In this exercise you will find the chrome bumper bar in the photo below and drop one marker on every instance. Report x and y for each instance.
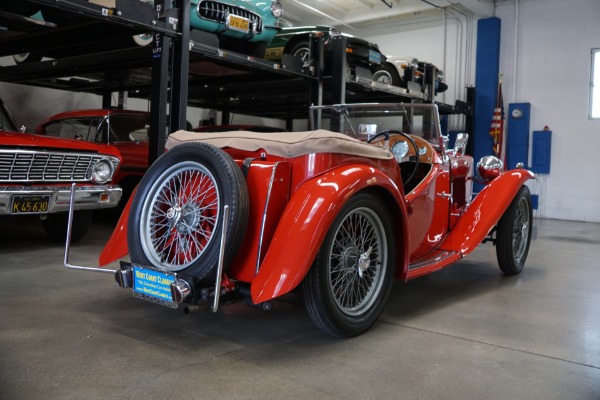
(180, 289)
(85, 197)
(71, 208)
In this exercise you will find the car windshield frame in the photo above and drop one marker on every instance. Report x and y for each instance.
(363, 120)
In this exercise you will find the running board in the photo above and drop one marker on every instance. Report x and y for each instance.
(434, 261)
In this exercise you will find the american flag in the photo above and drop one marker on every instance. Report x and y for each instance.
(497, 126)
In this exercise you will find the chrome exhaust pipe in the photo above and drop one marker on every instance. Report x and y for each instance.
(180, 290)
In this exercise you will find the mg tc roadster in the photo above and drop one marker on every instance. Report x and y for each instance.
(372, 194)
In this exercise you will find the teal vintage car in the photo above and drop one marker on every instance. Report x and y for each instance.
(241, 25)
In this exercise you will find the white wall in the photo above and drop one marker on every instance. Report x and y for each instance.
(444, 39)
(555, 38)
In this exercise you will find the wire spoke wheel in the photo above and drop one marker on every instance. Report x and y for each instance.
(356, 260)
(176, 219)
(350, 280)
(513, 233)
(180, 216)
(521, 230)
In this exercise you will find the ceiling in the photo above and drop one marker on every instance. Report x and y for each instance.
(353, 14)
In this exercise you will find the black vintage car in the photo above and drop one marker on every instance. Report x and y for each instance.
(296, 41)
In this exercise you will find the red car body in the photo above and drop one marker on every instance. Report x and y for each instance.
(127, 130)
(332, 215)
(37, 173)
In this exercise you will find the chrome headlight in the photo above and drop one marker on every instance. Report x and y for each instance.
(489, 167)
(277, 9)
(103, 172)
(440, 75)
(334, 32)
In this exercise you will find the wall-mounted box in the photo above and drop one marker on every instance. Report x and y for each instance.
(517, 135)
(541, 151)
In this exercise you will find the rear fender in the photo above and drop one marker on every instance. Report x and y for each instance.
(485, 211)
(307, 218)
(117, 247)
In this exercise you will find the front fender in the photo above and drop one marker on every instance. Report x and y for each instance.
(306, 220)
(117, 247)
(485, 211)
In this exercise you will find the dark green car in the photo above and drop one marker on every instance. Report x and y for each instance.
(296, 41)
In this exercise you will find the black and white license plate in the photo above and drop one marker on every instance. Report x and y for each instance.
(30, 204)
(152, 284)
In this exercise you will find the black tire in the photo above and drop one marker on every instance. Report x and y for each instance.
(176, 216)
(513, 233)
(143, 39)
(387, 74)
(55, 225)
(300, 50)
(24, 58)
(349, 307)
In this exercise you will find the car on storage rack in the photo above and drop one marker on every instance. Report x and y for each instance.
(398, 70)
(37, 174)
(241, 26)
(372, 194)
(296, 42)
(127, 130)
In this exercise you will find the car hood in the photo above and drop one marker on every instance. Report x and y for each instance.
(24, 140)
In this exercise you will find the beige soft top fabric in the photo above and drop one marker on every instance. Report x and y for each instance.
(283, 144)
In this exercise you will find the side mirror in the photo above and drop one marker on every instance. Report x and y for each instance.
(23, 129)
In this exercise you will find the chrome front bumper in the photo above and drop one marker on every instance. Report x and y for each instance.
(86, 197)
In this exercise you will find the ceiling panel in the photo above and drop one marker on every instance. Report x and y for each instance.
(347, 13)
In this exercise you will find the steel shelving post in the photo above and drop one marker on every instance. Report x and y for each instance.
(160, 81)
(180, 70)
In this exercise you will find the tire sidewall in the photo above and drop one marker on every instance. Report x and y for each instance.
(56, 225)
(299, 46)
(347, 325)
(210, 157)
(392, 72)
(504, 245)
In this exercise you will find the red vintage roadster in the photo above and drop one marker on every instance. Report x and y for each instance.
(372, 194)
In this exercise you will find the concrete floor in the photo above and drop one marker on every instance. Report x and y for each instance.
(465, 332)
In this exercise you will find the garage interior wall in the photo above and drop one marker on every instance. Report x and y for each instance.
(553, 61)
(551, 71)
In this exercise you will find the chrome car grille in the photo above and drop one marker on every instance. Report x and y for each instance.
(43, 166)
(218, 12)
